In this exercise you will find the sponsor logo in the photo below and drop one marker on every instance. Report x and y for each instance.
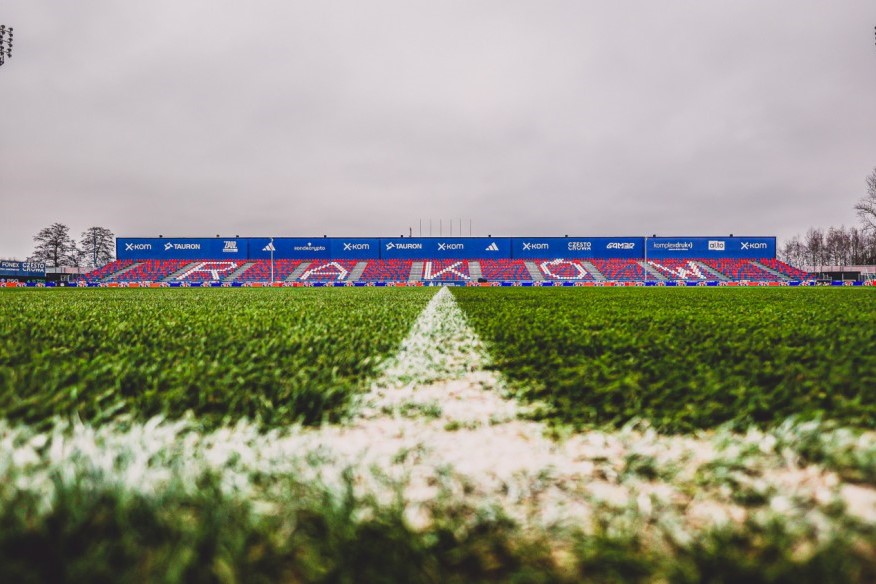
(717, 245)
(580, 246)
(492, 247)
(674, 245)
(754, 245)
(620, 245)
(269, 247)
(392, 245)
(308, 247)
(527, 246)
(137, 246)
(33, 266)
(450, 246)
(356, 246)
(230, 247)
(181, 246)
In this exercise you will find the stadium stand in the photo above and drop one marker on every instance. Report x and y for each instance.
(322, 271)
(150, 271)
(109, 269)
(260, 271)
(445, 270)
(387, 271)
(679, 269)
(560, 269)
(740, 270)
(208, 271)
(505, 270)
(620, 270)
(786, 269)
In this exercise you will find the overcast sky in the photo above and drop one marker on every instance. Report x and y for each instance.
(279, 117)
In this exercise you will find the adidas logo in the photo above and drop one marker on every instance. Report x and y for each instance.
(493, 247)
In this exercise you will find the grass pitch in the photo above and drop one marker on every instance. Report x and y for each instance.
(684, 359)
(212, 436)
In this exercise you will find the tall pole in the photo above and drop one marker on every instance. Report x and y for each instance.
(272, 261)
(646, 259)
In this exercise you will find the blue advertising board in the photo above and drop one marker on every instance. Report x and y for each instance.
(290, 248)
(181, 248)
(354, 248)
(22, 269)
(577, 247)
(412, 248)
(711, 247)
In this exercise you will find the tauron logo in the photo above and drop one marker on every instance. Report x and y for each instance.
(392, 245)
(357, 246)
(492, 247)
(527, 246)
(137, 246)
(718, 245)
(580, 246)
(620, 245)
(181, 246)
(753, 245)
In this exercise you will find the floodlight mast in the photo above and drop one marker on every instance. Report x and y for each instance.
(5, 43)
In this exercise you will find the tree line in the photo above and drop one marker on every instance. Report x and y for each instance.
(56, 247)
(838, 246)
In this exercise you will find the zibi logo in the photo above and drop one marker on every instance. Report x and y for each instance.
(138, 246)
(717, 245)
(753, 245)
(534, 246)
(230, 247)
(357, 246)
(492, 247)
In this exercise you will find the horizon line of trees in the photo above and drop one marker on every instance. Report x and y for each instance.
(56, 247)
(838, 246)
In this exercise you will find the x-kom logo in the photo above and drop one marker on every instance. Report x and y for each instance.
(137, 246)
(450, 246)
(753, 245)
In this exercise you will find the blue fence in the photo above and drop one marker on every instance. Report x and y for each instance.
(413, 248)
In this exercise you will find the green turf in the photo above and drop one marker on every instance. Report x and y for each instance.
(684, 359)
(277, 355)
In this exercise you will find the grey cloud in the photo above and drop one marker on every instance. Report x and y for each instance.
(363, 117)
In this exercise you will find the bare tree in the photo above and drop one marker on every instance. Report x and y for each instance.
(96, 247)
(54, 246)
(866, 207)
